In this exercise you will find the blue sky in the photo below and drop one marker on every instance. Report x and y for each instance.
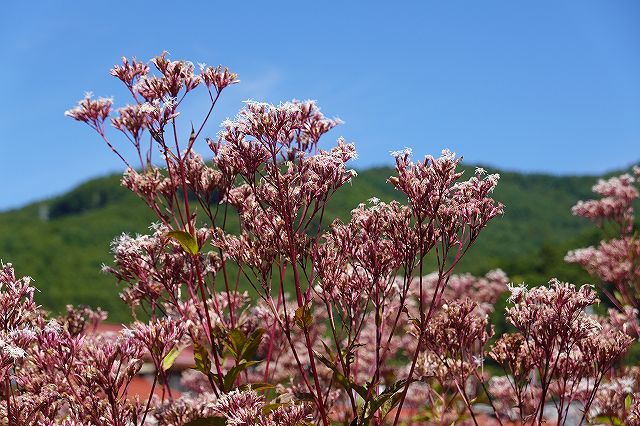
(550, 86)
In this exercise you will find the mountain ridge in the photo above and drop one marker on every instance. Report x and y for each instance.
(608, 172)
(63, 241)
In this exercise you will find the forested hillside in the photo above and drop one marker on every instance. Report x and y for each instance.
(62, 242)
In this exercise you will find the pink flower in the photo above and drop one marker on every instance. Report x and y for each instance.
(92, 112)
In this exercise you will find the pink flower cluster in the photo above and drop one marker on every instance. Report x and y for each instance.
(615, 261)
(568, 351)
(616, 202)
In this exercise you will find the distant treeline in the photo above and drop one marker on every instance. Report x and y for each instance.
(63, 242)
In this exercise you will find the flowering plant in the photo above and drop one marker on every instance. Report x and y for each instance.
(344, 323)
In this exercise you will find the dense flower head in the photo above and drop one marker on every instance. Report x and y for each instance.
(461, 209)
(158, 114)
(63, 373)
(160, 336)
(601, 350)
(187, 408)
(132, 120)
(308, 181)
(515, 352)
(240, 408)
(279, 199)
(176, 76)
(201, 178)
(17, 306)
(287, 415)
(81, 319)
(550, 313)
(425, 183)
(374, 239)
(91, 111)
(156, 95)
(614, 261)
(559, 340)
(130, 71)
(240, 157)
(109, 361)
(151, 88)
(34, 408)
(295, 125)
(150, 184)
(217, 77)
(568, 350)
(10, 355)
(154, 266)
(616, 202)
(457, 336)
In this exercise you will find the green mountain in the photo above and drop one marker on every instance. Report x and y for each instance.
(63, 241)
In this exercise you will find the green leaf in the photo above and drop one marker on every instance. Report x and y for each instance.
(303, 316)
(170, 358)
(187, 241)
(232, 374)
(236, 340)
(323, 359)
(618, 297)
(207, 421)
(327, 350)
(361, 390)
(628, 400)
(258, 386)
(388, 399)
(608, 420)
(250, 347)
(242, 347)
(389, 404)
(201, 358)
